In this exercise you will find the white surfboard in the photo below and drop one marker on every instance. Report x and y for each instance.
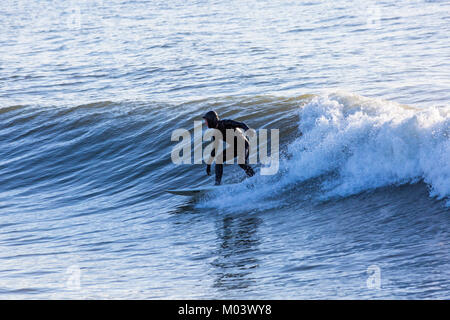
(196, 191)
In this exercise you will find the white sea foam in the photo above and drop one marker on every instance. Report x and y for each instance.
(371, 143)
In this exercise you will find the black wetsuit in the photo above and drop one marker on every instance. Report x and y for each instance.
(222, 126)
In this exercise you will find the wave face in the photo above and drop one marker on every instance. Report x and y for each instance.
(336, 144)
(103, 149)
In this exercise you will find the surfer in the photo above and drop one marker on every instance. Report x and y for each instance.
(213, 122)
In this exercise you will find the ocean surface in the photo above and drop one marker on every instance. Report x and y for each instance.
(91, 91)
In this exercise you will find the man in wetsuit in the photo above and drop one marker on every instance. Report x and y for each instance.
(213, 122)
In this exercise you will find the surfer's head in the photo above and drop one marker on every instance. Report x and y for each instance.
(211, 118)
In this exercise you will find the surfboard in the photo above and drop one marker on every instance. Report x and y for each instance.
(196, 191)
(191, 191)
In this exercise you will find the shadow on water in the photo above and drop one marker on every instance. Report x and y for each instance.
(185, 207)
(237, 247)
(236, 238)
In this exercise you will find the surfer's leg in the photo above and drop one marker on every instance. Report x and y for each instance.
(219, 168)
(248, 170)
(219, 172)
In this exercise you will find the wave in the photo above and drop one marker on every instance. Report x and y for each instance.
(114, 154)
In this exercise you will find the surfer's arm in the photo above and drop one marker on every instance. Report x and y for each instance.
(231, 124)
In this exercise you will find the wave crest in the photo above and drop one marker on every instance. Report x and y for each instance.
(371, 143)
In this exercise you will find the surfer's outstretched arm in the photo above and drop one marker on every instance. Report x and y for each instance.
(231, 124)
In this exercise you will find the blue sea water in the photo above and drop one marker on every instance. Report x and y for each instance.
(90, 92)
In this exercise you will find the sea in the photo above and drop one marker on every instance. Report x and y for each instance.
(92, 91)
